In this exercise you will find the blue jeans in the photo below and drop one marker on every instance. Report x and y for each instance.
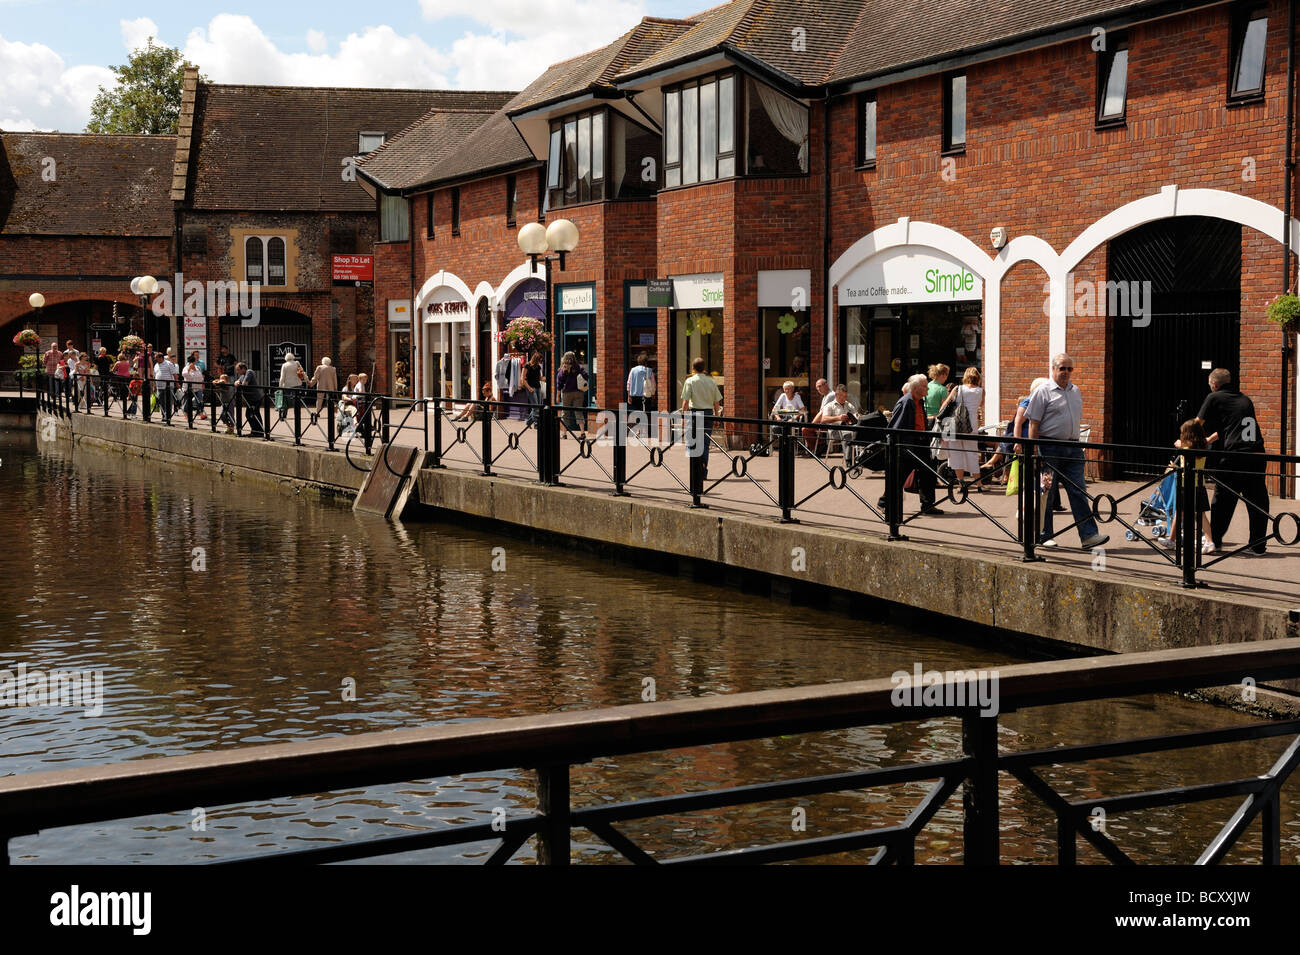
(1069, 463)
(534, 399)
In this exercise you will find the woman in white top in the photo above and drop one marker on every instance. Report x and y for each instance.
(964, 456)
(788, 403)
(193, 376)
(291, 375)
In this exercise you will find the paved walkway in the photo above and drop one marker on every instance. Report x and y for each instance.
(985, 522)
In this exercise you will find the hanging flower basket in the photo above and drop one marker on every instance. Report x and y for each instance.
(27, 338)
(1284, 312)
(528, 335)
(130, 344)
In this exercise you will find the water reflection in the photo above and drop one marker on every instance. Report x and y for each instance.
(225, 615)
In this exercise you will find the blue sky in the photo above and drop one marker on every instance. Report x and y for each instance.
(54, 54)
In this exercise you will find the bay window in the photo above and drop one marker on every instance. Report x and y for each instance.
(600, 155)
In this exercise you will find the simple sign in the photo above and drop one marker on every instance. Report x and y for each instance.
(659, 293)
(354, 269)
(910, 273)
(580, 298)
(698, 291)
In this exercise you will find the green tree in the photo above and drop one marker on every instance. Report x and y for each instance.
(147, 98)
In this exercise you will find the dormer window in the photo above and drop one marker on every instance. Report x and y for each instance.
(369, 142)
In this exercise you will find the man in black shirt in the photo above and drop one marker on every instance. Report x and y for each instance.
(104, 364)
(226, 361)
(1230, 425)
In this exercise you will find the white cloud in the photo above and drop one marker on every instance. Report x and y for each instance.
(233, 49)
(136, 33)
(587, 23)
(317, 41)
(39, 92)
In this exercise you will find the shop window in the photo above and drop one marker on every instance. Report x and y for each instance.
(265, 260)
(512, 199)
(867, 129)
(455, 210)
(599, 155)
(1249, 41)
(700, 130)
(254, 265)
(1112, 82)
(954, 112)
(369, 142)
(428, 216)
(697, 333)
(776, 132)
(787, 351)
(394, 219)
(275, 261)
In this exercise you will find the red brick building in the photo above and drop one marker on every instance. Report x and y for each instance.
(1129, 157)
(80, 216)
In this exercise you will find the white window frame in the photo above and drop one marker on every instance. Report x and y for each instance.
(265, 241)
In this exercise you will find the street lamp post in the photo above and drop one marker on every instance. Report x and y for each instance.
(535, 241)
(143, 288)
(37, 301)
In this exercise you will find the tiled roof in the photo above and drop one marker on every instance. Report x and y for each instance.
(598, 68)
(101, 185)
(283, 148)
(494, 145)
(893, 34)
(409, 158)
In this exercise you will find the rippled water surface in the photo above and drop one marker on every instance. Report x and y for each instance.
(225, 615)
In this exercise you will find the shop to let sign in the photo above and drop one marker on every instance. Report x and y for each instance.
(354, 269)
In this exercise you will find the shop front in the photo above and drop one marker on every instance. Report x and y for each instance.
(695, 322)
(399, 346)
(447, 344)
(575, 331)
(640, 336)
(902, 311)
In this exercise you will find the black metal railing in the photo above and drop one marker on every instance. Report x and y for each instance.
(554, 744)
(665, 454)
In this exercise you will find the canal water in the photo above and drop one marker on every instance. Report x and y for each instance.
(225, 615)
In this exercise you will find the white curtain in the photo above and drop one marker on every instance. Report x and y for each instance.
(618, 135)
(789, 118)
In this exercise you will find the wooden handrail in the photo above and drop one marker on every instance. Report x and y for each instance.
(69, 797)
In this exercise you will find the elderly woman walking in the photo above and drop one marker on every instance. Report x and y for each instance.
(909, 415)
(291, 376)
(964, 456)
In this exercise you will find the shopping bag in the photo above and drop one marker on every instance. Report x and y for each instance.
(1013, 481)
(279, 400)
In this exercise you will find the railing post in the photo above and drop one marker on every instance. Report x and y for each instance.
(108, 390)
(266, 415)
(785, 471)
(210, 395)
(894, 486)
(1029, 501)
(297, 415)
(189, 405)
(1067, 849)
(620, 450)
(385, 413)
(979, 742)
(328, 408)
(486, 442)
(437, 432)
(553, 804)
(696, 436)
(1270, 824)
(1188, 526)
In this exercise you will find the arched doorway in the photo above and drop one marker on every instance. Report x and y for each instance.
(263, 345)
(1173, 298)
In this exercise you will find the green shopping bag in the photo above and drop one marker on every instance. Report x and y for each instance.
(1013, 481)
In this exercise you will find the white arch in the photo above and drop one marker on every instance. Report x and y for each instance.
(517, 277)
(954, 244)
(440, 279)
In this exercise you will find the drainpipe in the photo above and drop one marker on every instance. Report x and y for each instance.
(411, 376)
(826, 244)
(1286, 230)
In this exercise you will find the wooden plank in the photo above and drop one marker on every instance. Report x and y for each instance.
(381, 487)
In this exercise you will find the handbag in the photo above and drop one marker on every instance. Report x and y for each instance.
(278, 400)
(582, 382)
(909, 485)
(1013, 479)
(648, 389)
(961, 415)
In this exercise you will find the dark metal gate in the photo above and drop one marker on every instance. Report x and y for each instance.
(1162, 357)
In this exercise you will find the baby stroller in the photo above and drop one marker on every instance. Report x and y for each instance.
(867, 452)
(1158, 510)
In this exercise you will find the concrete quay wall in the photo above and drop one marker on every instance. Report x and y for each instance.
(266, 462)
(1102, 612)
